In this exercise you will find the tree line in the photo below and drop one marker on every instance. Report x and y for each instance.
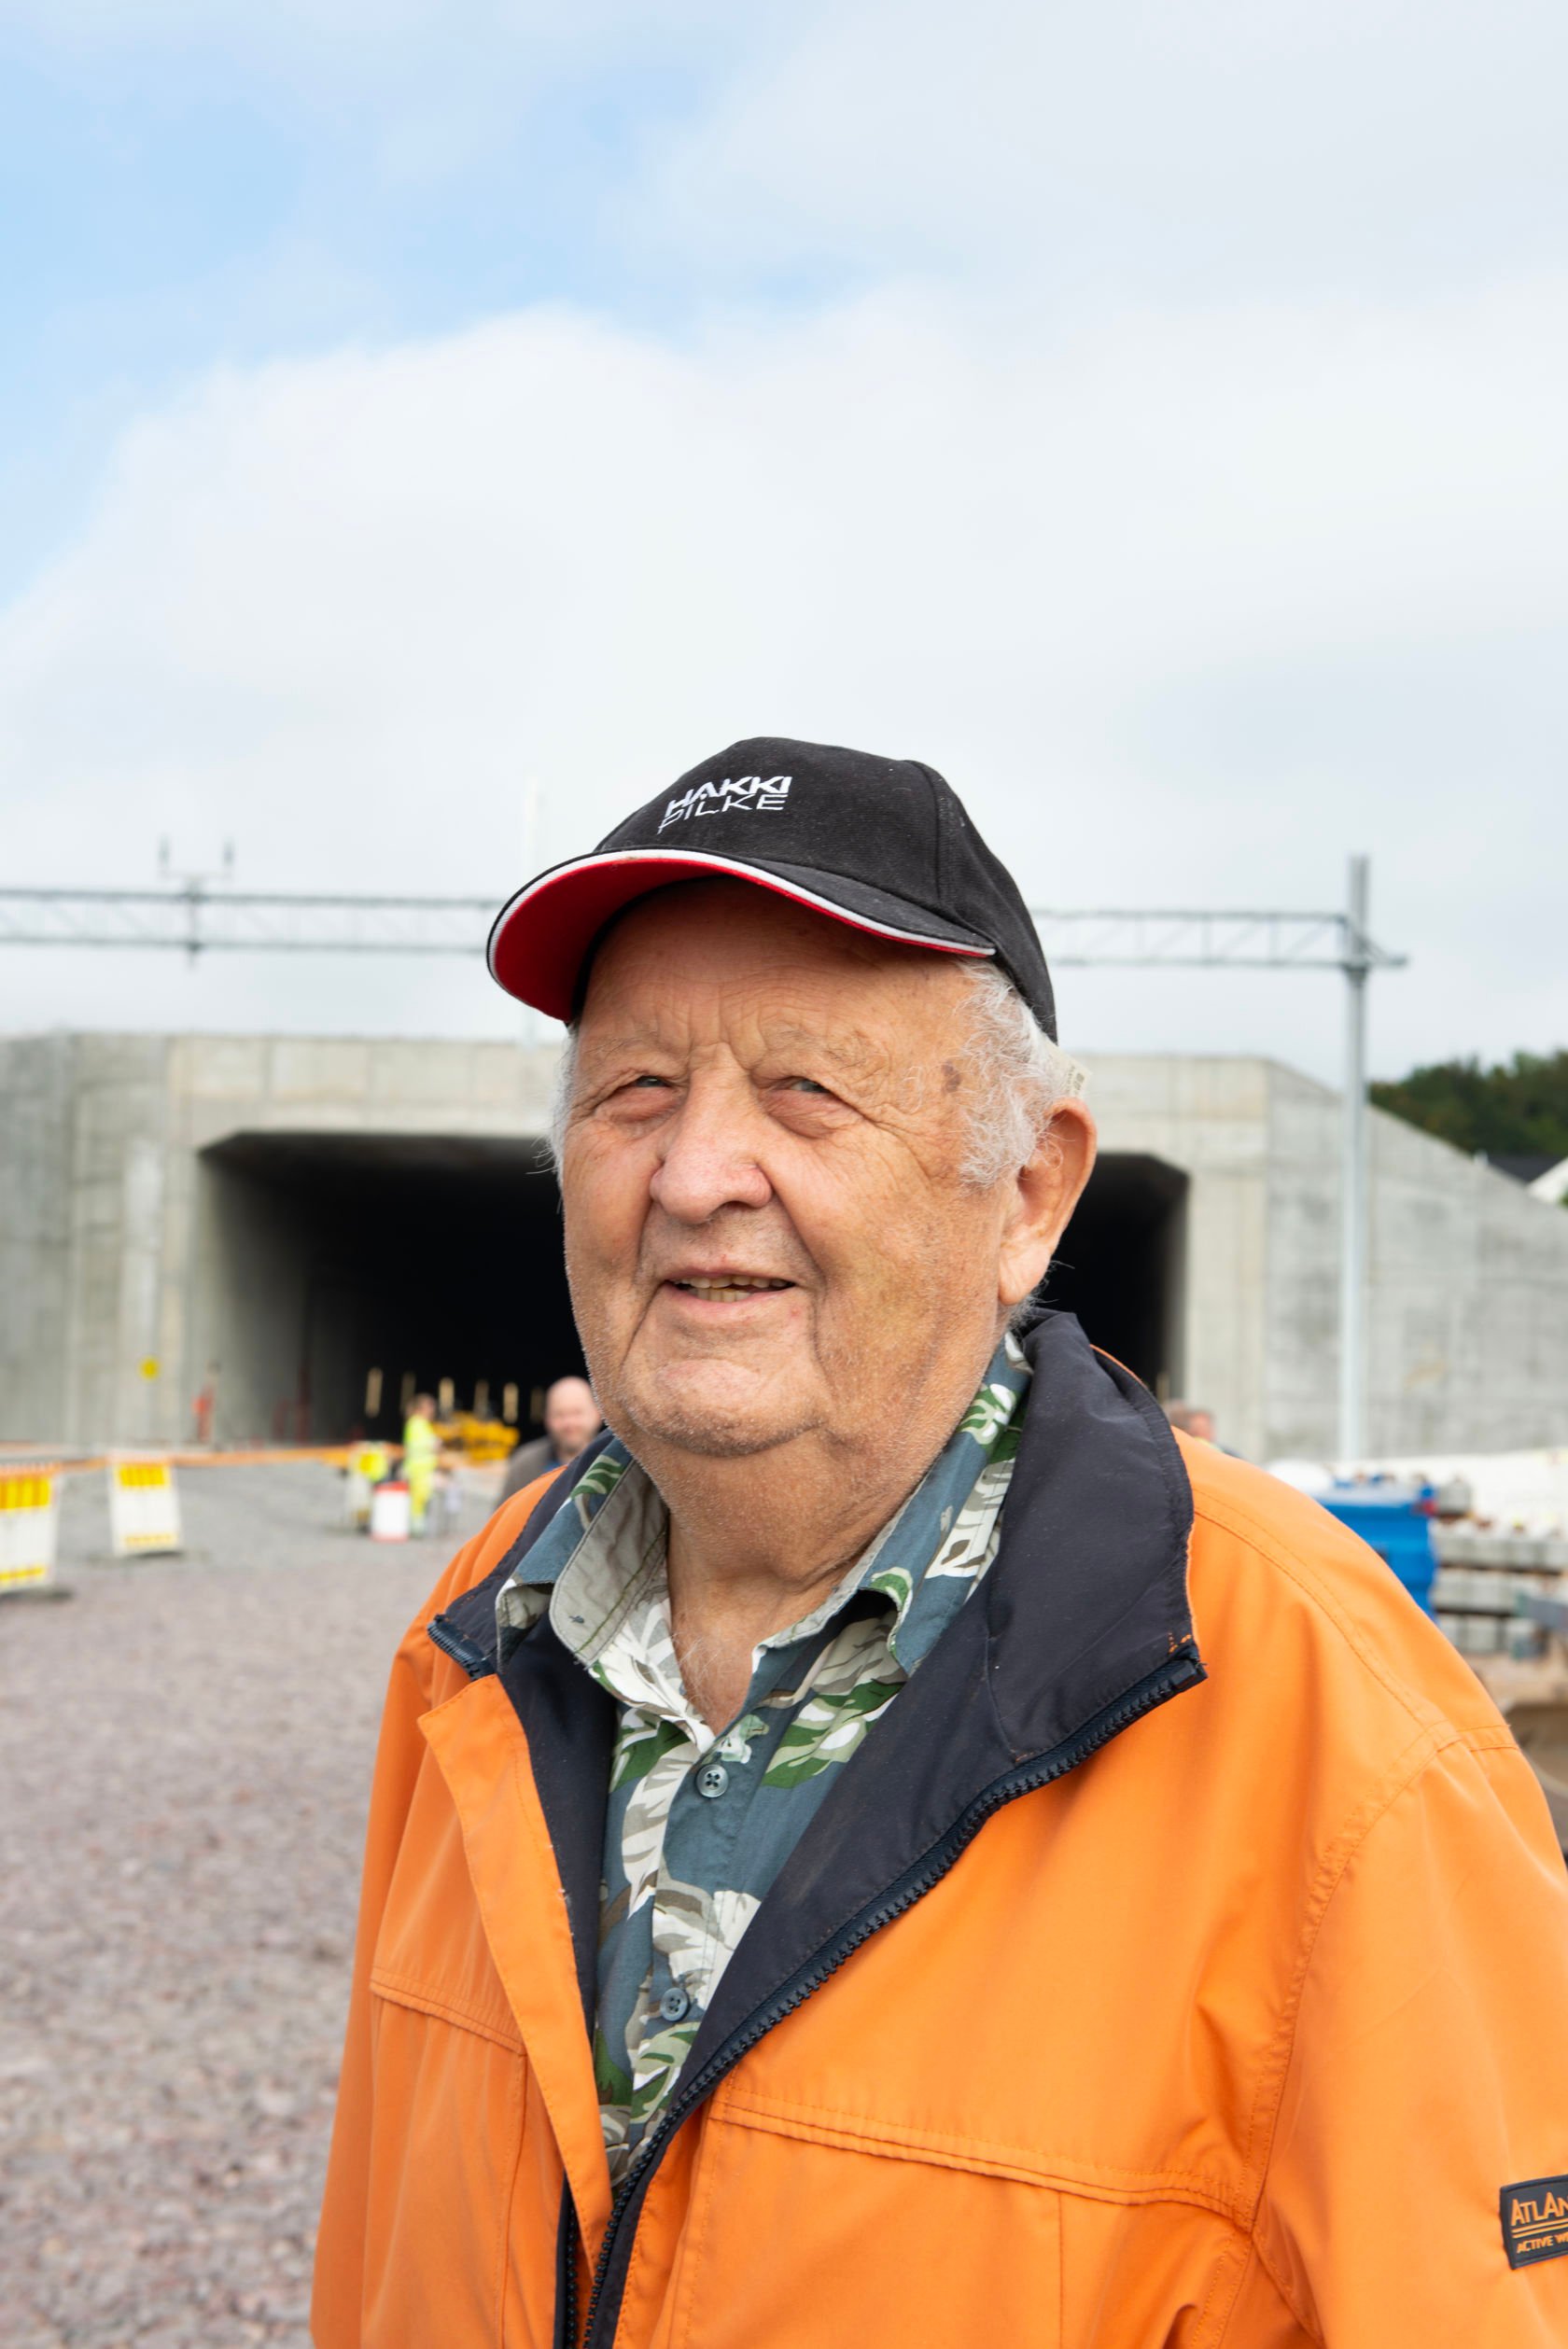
(1513, 1110)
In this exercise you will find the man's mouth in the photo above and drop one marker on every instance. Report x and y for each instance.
(729, 1287)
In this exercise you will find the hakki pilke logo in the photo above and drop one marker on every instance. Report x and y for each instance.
(738, 794)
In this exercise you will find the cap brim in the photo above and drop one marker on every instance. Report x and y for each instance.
(542, 936)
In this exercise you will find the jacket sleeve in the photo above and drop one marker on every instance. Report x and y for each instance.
(1427, 2070)
(337, 2298)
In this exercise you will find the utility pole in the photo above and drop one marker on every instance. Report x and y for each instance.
(193, 890)
(1353, 1187)
(1274, 940)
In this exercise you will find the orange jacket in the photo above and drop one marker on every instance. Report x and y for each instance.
(1100, 2013)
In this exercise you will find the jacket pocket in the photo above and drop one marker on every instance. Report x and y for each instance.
(931, 2237)
(804, 2230)
(484, 2016)
(446, 2125)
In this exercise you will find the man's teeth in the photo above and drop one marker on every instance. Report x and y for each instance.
(734, 1285)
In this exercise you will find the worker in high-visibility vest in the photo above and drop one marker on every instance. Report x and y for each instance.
(421, 1455)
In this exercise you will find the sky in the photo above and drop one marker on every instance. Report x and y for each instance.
(425, 432)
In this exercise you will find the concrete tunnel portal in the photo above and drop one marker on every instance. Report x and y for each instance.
(327, 1256)
(425, 1257)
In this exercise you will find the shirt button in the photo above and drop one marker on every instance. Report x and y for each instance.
(712, 1778)
(673, 2005)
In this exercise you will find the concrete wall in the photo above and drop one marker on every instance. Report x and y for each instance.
(1209, 1117)
(89, 1220)
(121, 1245)
(250, 1275)
(1299, 1300)
(230, 1084)
(35, 1119)
(120, 1241)
(1467, 1278)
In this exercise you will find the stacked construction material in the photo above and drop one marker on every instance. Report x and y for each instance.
(1486, 1579)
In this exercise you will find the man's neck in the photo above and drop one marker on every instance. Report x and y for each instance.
(757, 1543)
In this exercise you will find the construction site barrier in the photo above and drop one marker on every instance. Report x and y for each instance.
(391, 1515)
(144, 1506)
(29, 1526)
(365, 1465)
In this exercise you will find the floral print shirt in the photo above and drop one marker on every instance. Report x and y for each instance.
(701, 1821)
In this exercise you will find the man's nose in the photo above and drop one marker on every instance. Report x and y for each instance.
(710, 1159)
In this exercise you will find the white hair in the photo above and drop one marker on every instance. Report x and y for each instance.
(1019, 1076)
(560, 1098)
(1021, 1072)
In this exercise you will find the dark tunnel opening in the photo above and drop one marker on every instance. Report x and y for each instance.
(1121, 1266)
(328, 1257)
(422, 1257)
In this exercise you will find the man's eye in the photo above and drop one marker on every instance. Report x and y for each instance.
(640, 1081)
(804, 1085)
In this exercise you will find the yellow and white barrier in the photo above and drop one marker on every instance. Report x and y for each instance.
(390, 1512)
(365, 1467)
(29, 1526)
(144, 1506)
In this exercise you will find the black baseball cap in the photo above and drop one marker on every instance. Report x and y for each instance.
(885, 845)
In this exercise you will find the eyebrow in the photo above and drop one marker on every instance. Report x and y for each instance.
(848, 1048)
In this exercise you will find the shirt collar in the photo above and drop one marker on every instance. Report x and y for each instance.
(603, 1553)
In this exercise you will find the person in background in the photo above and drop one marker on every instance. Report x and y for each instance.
(446, 1498)
(572, 1421)
(1196, 1420)
(421, 1457)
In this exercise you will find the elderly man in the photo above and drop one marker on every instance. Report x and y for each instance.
(815, 1895)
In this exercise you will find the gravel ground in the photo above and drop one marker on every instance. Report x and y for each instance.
(185, 1757)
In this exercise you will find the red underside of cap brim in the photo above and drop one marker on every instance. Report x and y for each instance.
(539, 939)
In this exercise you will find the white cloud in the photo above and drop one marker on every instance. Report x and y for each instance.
(1187, 605)
(1071, 151)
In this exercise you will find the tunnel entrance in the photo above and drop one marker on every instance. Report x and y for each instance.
(1121, 1267)
(325, 1257)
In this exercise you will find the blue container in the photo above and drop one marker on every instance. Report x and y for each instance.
(1393, 1519)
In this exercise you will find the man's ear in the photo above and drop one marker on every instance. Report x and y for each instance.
(1045, 1191)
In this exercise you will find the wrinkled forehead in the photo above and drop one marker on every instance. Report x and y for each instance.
(718, 957)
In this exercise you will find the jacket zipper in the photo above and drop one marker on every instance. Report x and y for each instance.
(1168, 1681)
(474, 1659)
(566, 2274)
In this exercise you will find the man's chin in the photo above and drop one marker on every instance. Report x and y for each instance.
(719, 1417)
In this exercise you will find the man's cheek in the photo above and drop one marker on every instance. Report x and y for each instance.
(602, 1229)
(863, 1225)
